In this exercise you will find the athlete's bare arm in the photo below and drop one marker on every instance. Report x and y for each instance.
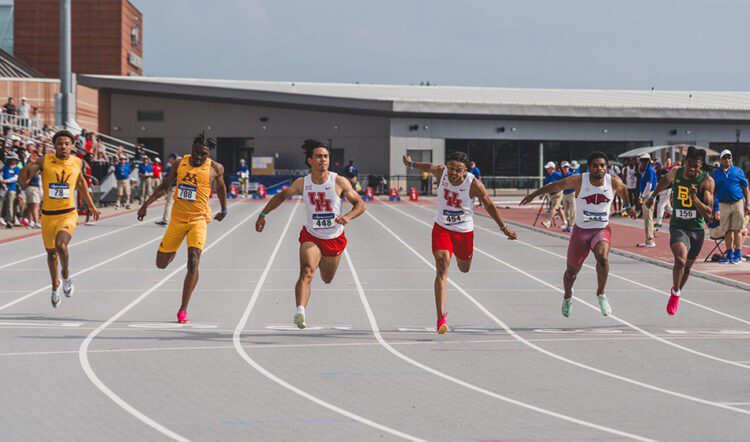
(353, 197)
(664, 182)
(706, 209)
(217, 174)
(276, 200)
(619, 188)
(435, 169)
(83, 189)
(34, 167)
(478, 190)
(569, 182)
(160, 190)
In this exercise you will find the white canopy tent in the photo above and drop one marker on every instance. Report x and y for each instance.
(678, 148)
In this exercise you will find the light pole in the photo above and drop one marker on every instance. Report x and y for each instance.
(67, 91)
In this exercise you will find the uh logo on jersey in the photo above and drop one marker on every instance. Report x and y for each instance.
(451, 198)
(318, 199)
(596, 198)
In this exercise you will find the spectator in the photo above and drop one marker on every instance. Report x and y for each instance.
(474, 170)
(569, 199)
(9, 108)
(140, 152)
(80, 143)
(554, 198)
(662, 206)
(631, 182)
(10, 187)
(91, 181)
(24, 113)
(36, 119)
(243, 176)
(145, 173)
(351, 173)
(34, 200)
(647, 185)
(616, 171)
(172, 161)
(122, 175)
(156, 180)
(731, 190)
(425, 181)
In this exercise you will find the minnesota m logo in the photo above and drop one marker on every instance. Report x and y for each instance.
(191, 178)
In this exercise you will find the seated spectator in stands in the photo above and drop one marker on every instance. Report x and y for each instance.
(9, 187)
(145, 173)
(122, 175)
(24, 113)
(36, 119)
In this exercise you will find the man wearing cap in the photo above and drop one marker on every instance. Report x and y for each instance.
(732, 192)
(351, 172)
(24, 112)
(662, 206)
(243, 176)
(9, 186)
(555, 198)
(156, 179)
(122, 174)
(168, 200)
(145, 173)
(569, 198)
(630, 177)
(647, 186)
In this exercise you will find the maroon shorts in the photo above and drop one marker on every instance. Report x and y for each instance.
(584, 240)
(330, 248)
(460, 243)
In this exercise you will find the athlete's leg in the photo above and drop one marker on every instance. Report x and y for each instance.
(569, 278)
(680, 252)
(328, 267)
(61, 247)
(163, 259)
(309, 259)
(52, 265)
(191, 279)
(463, 264)
(442, 264)
(601, 253)
(686, 274)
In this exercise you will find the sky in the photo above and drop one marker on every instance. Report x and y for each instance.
(590, 44)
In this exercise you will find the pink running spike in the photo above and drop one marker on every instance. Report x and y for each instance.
(674, 300)
(442, 325)
(182, 317)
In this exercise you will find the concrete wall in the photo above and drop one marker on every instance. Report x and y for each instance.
(364, 138)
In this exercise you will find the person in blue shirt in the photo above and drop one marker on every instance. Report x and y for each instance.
(568, 199)
(243, 176)
(146, 174)
(732, 193)
(474, 170)
(555, 199)
(10, 188)
(122, 175)
(351, 172)
(647, 186)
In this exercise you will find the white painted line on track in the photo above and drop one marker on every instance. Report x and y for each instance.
(387, 346)
(83, 349)
(244, 355)
(543, 350)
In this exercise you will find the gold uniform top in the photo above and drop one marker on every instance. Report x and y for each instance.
(59, 179)
(193, 187)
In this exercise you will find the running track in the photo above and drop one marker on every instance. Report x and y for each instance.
(111, 363)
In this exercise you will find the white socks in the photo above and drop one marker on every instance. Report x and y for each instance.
(300, 309)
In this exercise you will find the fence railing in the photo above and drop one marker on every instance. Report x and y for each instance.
(495, 185)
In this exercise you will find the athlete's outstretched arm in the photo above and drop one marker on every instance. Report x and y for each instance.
(217, 170)
(434, 169)
(29, 171)
(571, 181)
(707, 187)
(664, 182)
(160, 190)
(353, 197)
(276, 200)
(83, 189)
(478, 190)
(619, 188)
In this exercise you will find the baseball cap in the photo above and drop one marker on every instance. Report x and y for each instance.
(725, 152)
(564, 164)
(574, 164)
(644, 156)
(23, 98)
(173, 155)
(157, 160)
(549, 165)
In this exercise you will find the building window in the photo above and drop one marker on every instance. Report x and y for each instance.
(150, 115)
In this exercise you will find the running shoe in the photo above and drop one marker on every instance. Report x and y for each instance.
(567, 230)
(55, 298)
(160, 222)
(442, 325)
(737, 257)
(604, 305)
(127, 207)
(90, 223)
(566, 306)
(725, 258)
(674, 301)
(68, 288)
(299, 317)
(546, 224)
(648, 245)
(182, 317)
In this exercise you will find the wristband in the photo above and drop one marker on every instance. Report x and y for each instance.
(224, 211)
(504, 228)
(411, 165)
(651, 196)
(263, 214)
(627, 207)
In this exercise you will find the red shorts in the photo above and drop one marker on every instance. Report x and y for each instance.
(460, 243)
(584, 240)
(330, 248)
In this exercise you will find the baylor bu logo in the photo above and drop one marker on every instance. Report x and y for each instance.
(318, 199)
(451, 198)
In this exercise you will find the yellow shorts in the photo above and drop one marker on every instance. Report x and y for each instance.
(177, 231)
(52, 224)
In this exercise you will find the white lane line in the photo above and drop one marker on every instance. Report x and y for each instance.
(83, 349)
(543, 350)
(78, 243)
(622, 278)
(387, 346)
(596, 308)
(241, 350)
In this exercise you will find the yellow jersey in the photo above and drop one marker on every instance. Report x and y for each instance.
(193, 187)
(59, 179)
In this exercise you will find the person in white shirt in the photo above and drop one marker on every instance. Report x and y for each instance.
(24, 112)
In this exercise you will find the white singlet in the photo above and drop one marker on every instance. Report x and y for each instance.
(455, 208)
(323, 207)
(593, 203)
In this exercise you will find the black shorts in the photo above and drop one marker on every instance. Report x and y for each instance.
(693, 240)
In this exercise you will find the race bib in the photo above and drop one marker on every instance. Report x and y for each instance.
(324, 220)
(685, 214)
(186, 192)
(601, 217)
(59, 191)
(451, 217)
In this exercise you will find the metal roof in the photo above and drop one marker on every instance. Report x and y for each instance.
(12, 67)
(452, 100)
